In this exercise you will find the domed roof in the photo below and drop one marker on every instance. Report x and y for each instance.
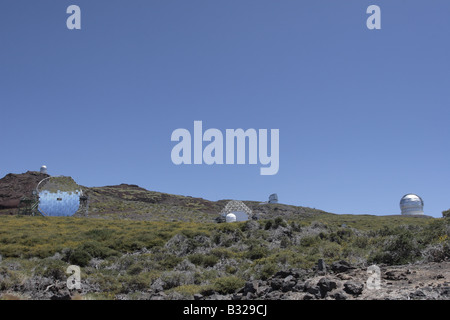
(411, 204)
(230, 217)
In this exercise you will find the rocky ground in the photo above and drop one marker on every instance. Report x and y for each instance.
(340, 281)
(430, 281)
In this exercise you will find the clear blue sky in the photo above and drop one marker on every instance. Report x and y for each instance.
(363, 115)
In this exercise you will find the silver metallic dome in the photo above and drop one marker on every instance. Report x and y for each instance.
(411, 204)
(230, 218)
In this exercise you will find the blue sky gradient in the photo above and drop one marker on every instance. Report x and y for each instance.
(363, 115)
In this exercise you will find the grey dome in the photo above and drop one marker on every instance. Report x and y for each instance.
(411, 204)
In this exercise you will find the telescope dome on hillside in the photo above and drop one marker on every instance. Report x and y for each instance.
(411, 204)
(230, 218)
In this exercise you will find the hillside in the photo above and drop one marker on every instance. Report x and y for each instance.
(15, 186)
(140, 244)
(136, 203)
(266, 259)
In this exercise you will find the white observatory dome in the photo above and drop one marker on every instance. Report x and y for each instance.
(230, 218)
(43, 169)
(411, 204)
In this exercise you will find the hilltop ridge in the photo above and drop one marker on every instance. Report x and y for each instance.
(133, 202)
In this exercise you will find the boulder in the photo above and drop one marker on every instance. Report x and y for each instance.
(158, 285)
(326, 285)
(288, 283)
(198, 296)
(250, 286)
(321, 266)
(339, 295)
(341, 266)
(353, 288)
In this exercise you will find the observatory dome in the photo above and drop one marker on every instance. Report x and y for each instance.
(411, 204)
(230, 218)
(43, 169)
(273, 198)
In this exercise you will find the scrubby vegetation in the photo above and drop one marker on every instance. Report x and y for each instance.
(446, 213)
(124, 257)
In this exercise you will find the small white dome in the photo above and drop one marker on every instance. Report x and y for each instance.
(411, 204)
(43, 169)
(230, 218)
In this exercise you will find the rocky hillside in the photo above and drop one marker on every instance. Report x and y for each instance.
(15, 186)
(266, 259)
(133, 202)
(140, 244)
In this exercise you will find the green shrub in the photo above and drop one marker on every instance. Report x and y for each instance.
(285, 242)
(169, 261)
(295, 226)
(256, 253)
(279, 222)
(309, 241)
(331, 250)
(199, 259)
(135, 269)
(222, 253)
(139, 282)
(77, 257)
(400, 249)
(268, 270)
(189, 290)
(100, 234)
(338, 236)
(55, 269)
(437, 252)
(361, 242)
(82, 254)
(230, 269)
(268, 225)
(210, 260)
(227, 285)
(96, 250)
(109, 283)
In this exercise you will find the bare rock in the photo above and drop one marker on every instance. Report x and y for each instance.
(250, 286)
(326, 285)
(353, 288)
(158, 285)
(198, 296)
(339, 295)
(341, 266)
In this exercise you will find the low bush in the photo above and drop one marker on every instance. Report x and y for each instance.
(228, 284)
(208, 260)
(49, 268)
(78, 257)
(256, 253)
(222, 253)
